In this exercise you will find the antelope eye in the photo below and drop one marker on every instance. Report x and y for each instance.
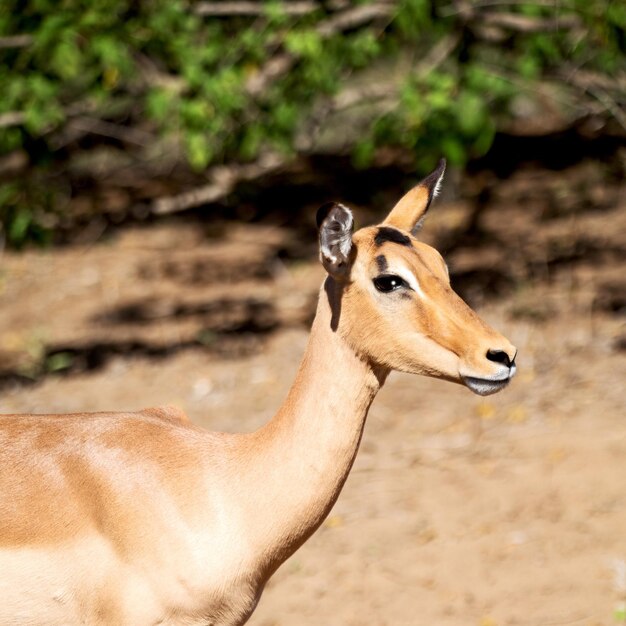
(389, 282)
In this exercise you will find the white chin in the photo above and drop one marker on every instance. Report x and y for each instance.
(483, 386)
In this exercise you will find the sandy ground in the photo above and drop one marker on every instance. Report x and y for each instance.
(460, 511)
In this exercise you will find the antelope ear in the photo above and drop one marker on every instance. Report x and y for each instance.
(411, 209)
(335, 224)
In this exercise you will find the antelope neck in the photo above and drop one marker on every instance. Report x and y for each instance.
(306, 451)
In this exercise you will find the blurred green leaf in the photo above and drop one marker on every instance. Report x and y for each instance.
(471, 113)
(446, 86)
(66, 58)
(306, 43)
(363, 153)
(59, 361)
(159, 104)
(198, 150)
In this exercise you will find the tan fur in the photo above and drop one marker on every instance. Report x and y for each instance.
(142, 518)
(409, 209)
(431, 336)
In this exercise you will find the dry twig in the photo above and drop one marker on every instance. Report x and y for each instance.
(12, 118)
(126, 134)
(15, 41)
(224, 178)
(243, 8)
(526, 24)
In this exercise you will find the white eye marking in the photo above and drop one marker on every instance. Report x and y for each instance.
(409, 278)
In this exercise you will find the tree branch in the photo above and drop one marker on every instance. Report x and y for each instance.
(126, 134)
(13, 162)
(611, 106)
(526, 24)
(465, 8)
(243, 8)
(12, 118)
(346, 20)
(383, 94)
(224, 179)
(584, 79)
(17, 118)
(15, 41)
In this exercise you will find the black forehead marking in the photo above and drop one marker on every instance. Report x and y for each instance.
(391, 234)
(381, 261)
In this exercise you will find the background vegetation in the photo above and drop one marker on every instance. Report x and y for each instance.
(159, 106)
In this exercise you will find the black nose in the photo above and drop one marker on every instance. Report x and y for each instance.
(499, 356)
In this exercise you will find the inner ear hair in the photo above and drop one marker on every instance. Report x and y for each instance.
(323, 211)
(432, 184)
(335, 223)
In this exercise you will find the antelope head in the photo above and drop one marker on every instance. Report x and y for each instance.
(391, 300)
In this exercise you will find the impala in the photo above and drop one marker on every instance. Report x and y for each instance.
(143, 518)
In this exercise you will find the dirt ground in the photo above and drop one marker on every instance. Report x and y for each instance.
(460, 510)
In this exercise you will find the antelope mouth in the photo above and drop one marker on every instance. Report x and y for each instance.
(486, 386)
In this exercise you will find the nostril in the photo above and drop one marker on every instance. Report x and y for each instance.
(499, 356)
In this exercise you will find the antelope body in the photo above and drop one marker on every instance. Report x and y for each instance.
(142, 518)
